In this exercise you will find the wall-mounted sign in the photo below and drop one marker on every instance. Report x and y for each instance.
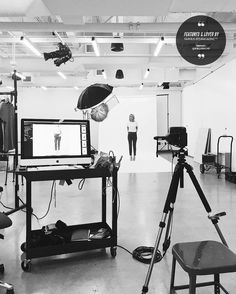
(200, 40)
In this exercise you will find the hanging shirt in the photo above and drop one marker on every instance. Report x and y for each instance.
(7, 115)
(132, 126)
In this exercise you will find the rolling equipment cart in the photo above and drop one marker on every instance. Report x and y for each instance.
(32, 251)
(215, 160)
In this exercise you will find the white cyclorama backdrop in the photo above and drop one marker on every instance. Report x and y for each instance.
(211, 103)
(61, 103)
(44, 144)
(113, 130)
(51, 104)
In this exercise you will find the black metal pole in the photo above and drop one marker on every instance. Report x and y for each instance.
(16, 141)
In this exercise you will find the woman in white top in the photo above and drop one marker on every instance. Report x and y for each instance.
(132, 128)
(57, 138)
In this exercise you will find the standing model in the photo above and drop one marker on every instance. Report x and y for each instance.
(57, 138)
(132, 128)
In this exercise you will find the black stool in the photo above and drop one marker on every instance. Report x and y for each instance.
(199, 259)
(5, 222)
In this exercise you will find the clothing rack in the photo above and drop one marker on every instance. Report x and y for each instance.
(13, 95)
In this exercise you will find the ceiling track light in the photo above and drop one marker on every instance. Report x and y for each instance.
(147, 72)
(30, 46)
(76, 88)
(19, 75)
(104, 74)
(141, 86)
(95, 46)
(44, 88)
(62, 75)
(59, 37)
(159, 46)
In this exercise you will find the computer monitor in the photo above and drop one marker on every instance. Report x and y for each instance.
(55, 142)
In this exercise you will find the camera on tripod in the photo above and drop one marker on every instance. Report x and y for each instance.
(177, 136)
(62, 55)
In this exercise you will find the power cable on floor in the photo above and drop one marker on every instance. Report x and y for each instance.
(144, 254)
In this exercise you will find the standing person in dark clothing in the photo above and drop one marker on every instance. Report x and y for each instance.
(57, 138)
(7, 125)
(132, 128)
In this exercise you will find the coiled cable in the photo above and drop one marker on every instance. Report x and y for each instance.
(144, 254)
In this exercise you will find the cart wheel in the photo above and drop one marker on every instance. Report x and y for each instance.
(23, 246)
(113, 251)
(202, 168)
(2, 268)
(26, 265)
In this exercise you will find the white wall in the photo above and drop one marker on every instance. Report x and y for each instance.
(52, 103)
(60, 103)
(113, 130)
(211, 103)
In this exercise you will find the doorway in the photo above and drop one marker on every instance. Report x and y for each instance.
(163, 119)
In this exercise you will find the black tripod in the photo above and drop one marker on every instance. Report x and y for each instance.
(178, 178)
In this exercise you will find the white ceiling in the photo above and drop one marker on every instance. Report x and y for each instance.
(140, 24)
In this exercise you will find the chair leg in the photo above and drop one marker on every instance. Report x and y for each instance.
(172, 279)
(192, 284)
(217, 282)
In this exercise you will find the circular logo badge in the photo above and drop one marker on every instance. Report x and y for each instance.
(200, 40)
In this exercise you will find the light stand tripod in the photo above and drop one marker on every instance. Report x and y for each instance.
(178, 178)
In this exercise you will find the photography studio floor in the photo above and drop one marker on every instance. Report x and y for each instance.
(142, 196)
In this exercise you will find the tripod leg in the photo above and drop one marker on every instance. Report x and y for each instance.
(166, 243)
(157, 243)
(204, 201)
(197, 187)
(167, 211)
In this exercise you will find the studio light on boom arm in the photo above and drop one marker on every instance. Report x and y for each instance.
(62, 55)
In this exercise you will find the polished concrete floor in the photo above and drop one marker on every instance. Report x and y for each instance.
(142, 198)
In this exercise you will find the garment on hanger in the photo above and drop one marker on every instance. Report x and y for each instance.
(1, 134)
(7, 116)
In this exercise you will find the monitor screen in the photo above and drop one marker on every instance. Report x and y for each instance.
(55, 142)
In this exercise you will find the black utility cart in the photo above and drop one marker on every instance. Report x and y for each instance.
(33, 251)
(211, 160)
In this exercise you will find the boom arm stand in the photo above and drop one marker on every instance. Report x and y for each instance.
(168, 210)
